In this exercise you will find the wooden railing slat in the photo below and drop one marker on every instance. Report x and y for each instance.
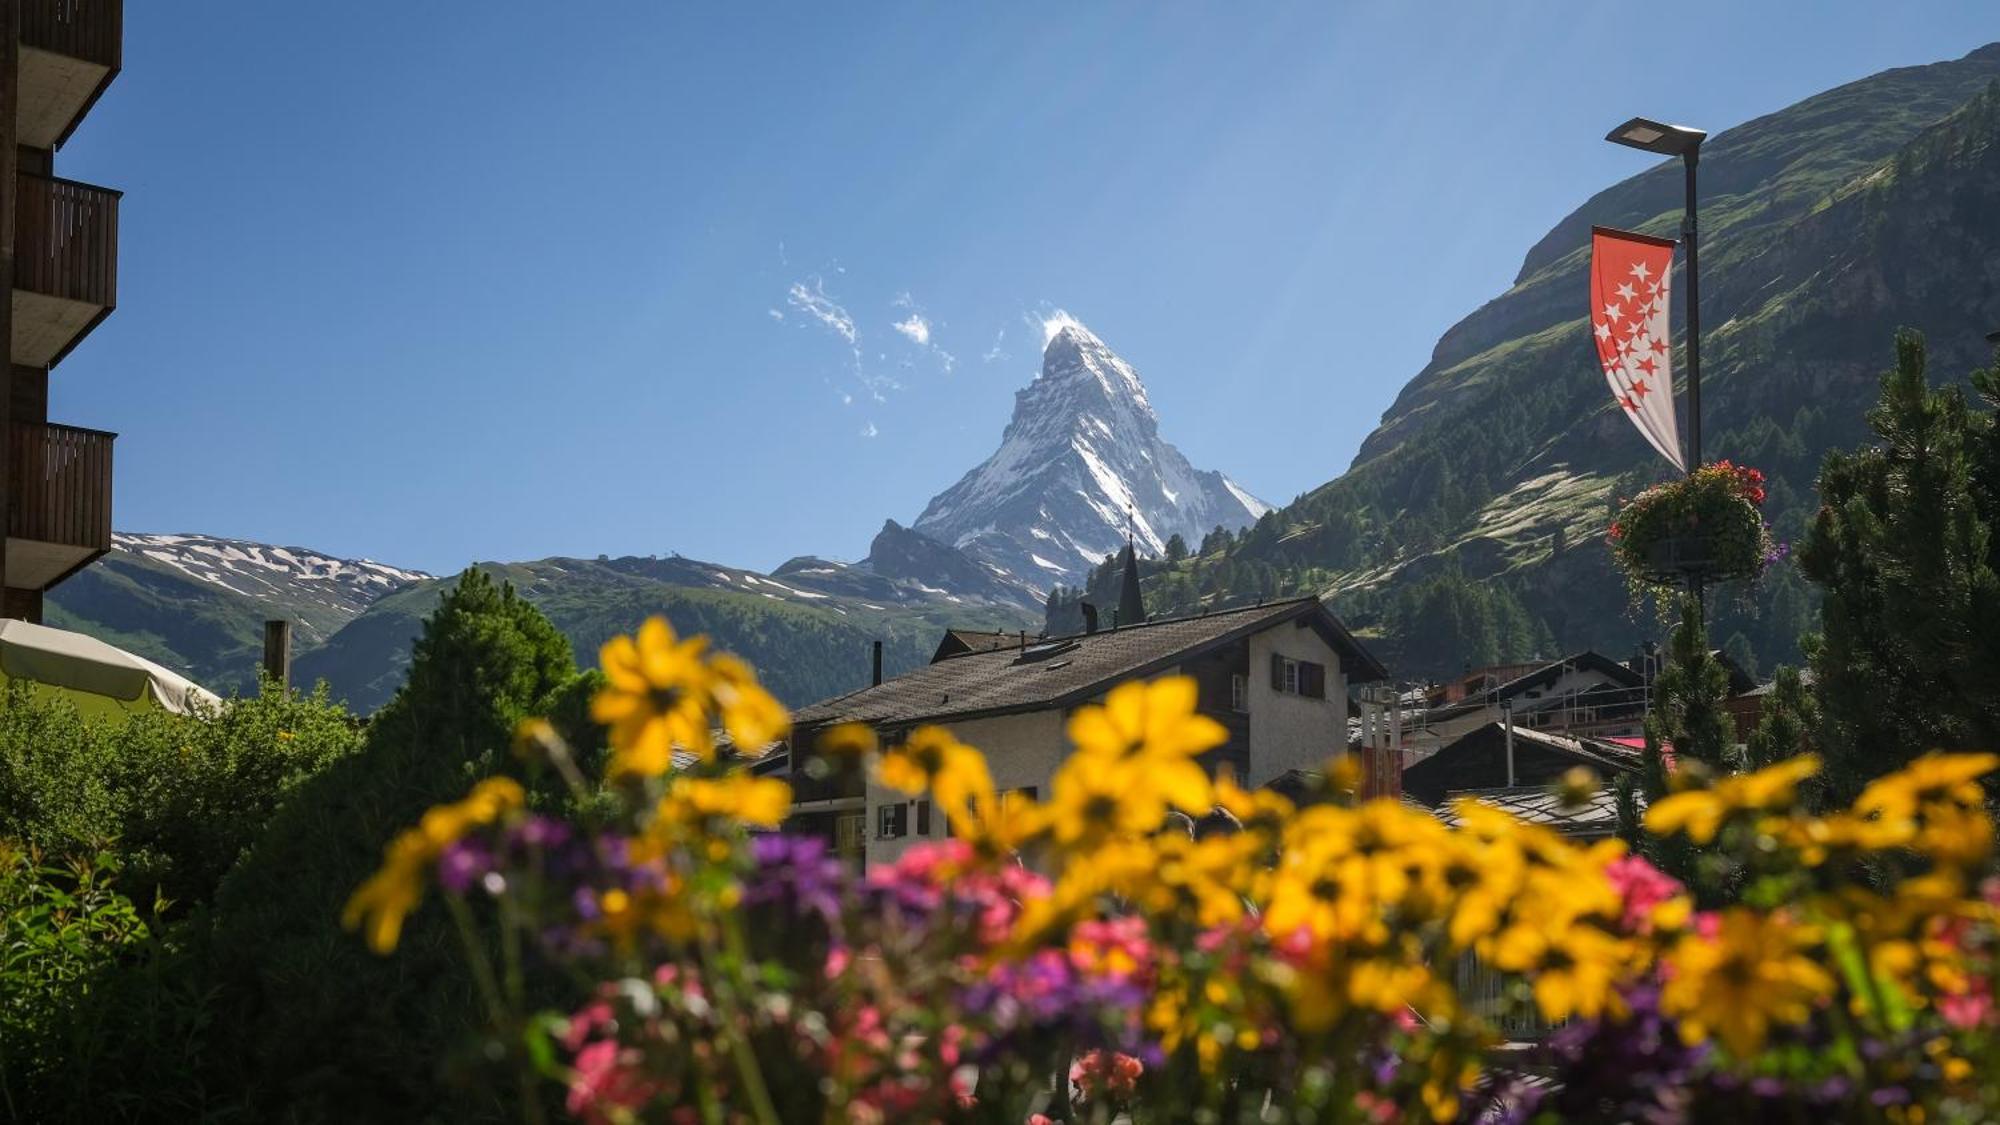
(92, 30)
(66, 240)
(62, 485)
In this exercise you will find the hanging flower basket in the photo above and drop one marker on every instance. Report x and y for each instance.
(1704, 527)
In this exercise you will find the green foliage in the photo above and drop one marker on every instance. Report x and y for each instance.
(299, 1021)
(1904, 550)
(181, 795)
(1687, 719)
(61, 926)
(1447, 623)
(1791, 714)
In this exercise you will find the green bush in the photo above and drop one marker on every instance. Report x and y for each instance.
(309, 1025)
(180, 795)
(253, 1004)
(61, 925)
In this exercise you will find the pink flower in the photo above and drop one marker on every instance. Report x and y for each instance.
(606, 1083)
(1107, 1074)
(1643, 887)
(1969, 1009)
(587, 1019)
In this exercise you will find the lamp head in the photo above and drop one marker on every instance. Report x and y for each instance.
(1654, 137)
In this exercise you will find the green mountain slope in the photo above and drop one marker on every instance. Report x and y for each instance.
(1825, 226)
(212, 633)
(198, 603)
(807, 645)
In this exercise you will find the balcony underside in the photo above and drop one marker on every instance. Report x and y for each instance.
(35, 565)
(56, 91)
(46, 328)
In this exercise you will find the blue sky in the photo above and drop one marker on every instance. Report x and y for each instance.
(439, 282)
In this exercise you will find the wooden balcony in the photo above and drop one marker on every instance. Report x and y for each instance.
(60, 515)
(70, 51)
(65, 265)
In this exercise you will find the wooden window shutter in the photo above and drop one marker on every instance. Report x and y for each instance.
(1277, 672)
(1312, 680)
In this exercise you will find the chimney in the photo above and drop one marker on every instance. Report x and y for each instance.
(278, 652)
(877, 674)
(1089, 617)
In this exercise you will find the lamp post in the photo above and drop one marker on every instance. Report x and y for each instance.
(1679, 140)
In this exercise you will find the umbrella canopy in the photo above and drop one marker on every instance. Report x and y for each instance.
(99, 679)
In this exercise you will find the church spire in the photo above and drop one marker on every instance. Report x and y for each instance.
(1131, 603)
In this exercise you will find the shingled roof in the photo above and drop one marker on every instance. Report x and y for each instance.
(1062, 671)
(1539, 804)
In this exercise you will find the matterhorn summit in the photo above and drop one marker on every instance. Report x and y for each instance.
(1081, 465)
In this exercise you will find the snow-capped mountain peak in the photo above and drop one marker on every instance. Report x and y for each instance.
(1081, 466)
(321, 591)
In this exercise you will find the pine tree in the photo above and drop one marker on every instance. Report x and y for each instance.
(1687, 717)
(1177, 548)
(1790, 715)
(1903, 550)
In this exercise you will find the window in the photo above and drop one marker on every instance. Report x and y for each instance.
(850, 832)
(1298, 677)
(1239, 694)
(892, 822)
(1312, 680)
(1029, 791)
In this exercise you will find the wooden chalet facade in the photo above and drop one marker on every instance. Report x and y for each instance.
(1275, 675)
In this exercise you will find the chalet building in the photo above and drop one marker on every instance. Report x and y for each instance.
(61, 238)
(1276, 675)
(1493, 760)
(1583, 693)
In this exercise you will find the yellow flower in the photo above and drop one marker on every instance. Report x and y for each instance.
(1252, 807)
(388, 896)
(1937, 801)
(737, 796)
(751, 715)
(1155, 724)
(656, 696)
(1006, 824)
(1755, 971)
(848, 740)
(1700, 813)
(1933, 777)
(934, 758)
(1092, 798)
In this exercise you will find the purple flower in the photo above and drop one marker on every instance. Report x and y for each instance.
(542, 832)
(463, 864)
(796, 872)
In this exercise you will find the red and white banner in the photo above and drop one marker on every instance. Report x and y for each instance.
(1629, 277)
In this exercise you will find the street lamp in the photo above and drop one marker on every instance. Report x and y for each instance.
(1678, 140)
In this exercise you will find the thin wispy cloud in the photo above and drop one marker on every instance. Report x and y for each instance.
(869, 430)
(994, 353)
(1054, 321)
(915, 329)
(813, 301)
(774, 314)
(919, 329)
